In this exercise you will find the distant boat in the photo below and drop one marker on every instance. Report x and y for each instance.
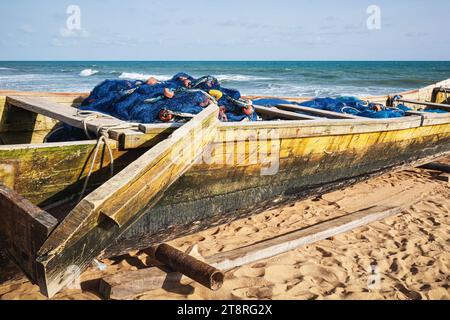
(244, 168)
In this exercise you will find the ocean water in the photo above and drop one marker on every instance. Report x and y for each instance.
(294, 79)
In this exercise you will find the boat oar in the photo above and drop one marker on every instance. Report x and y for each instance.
(101, 217)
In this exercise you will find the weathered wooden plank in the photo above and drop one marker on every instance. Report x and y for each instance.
(277, 113)
(428, 104)
(230, 132)
(137, 187)
(66, 114)
(24, 228)
(436, 166)
(294, 240)
(319, 112)
(128, 285)
(445, 177)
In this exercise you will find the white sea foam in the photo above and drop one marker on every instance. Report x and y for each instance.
(88, 72)
(240, 77)
(141, 76)
(7, 69)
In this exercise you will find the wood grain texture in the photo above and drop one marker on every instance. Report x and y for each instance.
(66, 114)
(128, 285)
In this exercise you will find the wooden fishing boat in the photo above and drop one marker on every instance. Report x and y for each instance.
(232, 171)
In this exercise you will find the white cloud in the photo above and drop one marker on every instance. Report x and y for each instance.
(75, 33)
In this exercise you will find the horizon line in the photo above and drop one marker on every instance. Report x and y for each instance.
(256, 60)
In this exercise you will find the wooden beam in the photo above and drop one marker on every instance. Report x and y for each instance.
(23, 228)
(275, 112)
(428, 104)
(122, 200)
(294, 240)
(430, 118)
(436, 166)
(128, 285)
(445, 177)
(319, 112)
(67, 115)
(443, 89)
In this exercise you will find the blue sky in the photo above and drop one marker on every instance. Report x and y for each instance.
(225, 30)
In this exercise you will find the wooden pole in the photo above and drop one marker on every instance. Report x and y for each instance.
(318, 112)
(197, 270)
(428, 104)
(436, 166)
(282, 114)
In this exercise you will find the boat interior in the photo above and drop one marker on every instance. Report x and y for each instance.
(53, 174)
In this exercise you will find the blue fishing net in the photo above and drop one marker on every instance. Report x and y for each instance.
(151, 101)
(140, 101)
(350, 105)
(435, 111)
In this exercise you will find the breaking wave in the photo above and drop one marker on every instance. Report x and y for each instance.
(141, 76)
(240, 78)
(88, 72)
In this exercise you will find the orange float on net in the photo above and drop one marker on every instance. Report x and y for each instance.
(169, 94)
(152, 81)
(248, 110)
(377, 108)
(222, 114)
(165, 116)
(205, 103)
(187, 83)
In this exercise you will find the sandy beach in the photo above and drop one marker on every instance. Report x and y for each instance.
(403, 257)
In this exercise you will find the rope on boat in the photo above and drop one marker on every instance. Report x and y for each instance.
(88, 115)
(349, 108)
(102, 137)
